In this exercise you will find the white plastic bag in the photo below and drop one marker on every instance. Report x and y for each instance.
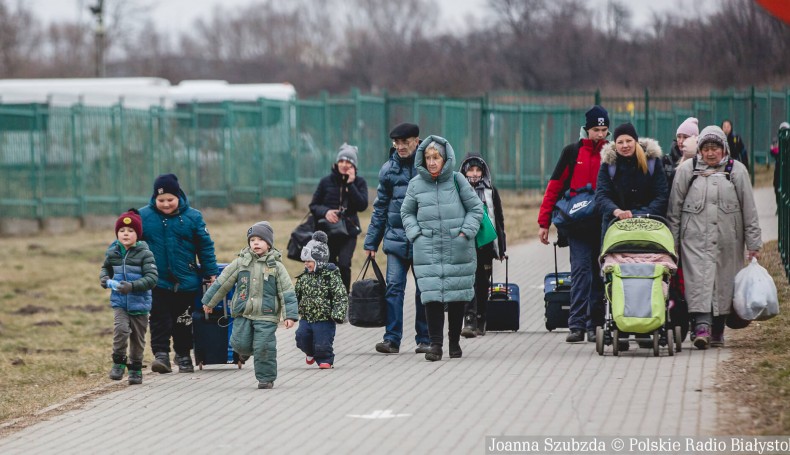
(755, 297)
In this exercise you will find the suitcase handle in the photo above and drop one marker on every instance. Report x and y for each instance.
(507, 279)
(556, 273)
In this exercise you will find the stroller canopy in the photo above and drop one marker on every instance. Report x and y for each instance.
(638, 235)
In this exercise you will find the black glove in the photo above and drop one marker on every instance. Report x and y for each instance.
(103, 281)
(125, 287)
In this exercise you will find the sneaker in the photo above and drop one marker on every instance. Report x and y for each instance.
(309, 360)
(135, 377)
(717, 341)
(422, 348)
(265, 385)
(185, 364)
(591, 336)
(702, 336)
(455, 351)
(575, 336)
(717, 333)
(387, 347)
(324, 366)
(434, 353)
(117, 370)
(161, 363)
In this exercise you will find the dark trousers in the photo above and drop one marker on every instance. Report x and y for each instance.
(586, 310)
(475, 309)
(171, 316)
(341, 250)
(455, 316)
(315, 339)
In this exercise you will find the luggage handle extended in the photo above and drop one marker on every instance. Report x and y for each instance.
(507, 278)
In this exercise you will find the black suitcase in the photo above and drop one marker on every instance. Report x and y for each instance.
(211, 332)
(504, 305)
(557, 297)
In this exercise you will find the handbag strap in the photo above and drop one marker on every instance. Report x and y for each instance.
(376, 270)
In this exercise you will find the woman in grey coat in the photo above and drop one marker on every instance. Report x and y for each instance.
(441, 215)
(712, 215)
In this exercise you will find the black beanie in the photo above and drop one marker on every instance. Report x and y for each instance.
(626, 128)
(596, 116)
(166, 183)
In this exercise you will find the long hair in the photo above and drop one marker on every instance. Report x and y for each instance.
(641, 157)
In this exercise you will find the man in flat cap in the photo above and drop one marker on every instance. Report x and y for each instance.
(386, 224)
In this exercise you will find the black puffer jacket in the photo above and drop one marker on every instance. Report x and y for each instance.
(327, 197)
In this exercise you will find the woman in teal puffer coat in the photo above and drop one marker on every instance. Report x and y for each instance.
(441, 215)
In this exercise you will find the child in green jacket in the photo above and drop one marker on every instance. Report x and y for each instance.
(323, 302)
(264, 295)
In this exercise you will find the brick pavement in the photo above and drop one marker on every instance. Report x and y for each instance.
(525, 383)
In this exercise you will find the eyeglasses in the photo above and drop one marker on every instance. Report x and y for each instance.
(710, 147)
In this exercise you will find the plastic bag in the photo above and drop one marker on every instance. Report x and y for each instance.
(755, 297)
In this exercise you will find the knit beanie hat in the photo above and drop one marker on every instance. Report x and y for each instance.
(130, 218)
(263, 230)
(596, 116)
(714, 134)
(627, 129)
(316, 249)
(784, 126)
(166, 183)
(689, 127)
(347, 153)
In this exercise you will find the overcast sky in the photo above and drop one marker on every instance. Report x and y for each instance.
(180, 14)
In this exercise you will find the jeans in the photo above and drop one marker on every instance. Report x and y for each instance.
(315, 339)
(586, 310)
(171, 316)
(397, 268)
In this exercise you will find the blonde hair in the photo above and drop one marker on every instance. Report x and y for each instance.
(641, 157)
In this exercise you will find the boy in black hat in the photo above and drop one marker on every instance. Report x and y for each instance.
(179, 239)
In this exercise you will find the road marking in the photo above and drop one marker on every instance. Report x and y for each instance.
(378, 414)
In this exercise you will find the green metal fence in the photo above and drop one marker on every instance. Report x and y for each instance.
(79, 160)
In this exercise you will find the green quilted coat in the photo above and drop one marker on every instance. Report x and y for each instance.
(435, 212)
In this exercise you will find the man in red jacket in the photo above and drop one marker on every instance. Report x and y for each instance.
(578, 166)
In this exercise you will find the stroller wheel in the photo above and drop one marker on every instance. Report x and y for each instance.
(670, 344)
(656, 336)
(678, 338)
(615, 343)
(599, 340)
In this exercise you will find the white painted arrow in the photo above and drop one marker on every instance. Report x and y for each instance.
(378, 414)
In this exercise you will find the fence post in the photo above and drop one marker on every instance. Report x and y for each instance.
(355, 139)
(647, 112)
(752, 109)
(483, 128)
(598, 96)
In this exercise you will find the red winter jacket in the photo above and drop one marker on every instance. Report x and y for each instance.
(578, 165)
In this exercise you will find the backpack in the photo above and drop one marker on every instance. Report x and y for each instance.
(651, 166)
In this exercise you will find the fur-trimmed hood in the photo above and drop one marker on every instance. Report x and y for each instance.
(650, 146)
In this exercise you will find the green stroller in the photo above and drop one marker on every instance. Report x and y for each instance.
(637, 261)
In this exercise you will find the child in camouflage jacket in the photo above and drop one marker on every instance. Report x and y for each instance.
(323, 302)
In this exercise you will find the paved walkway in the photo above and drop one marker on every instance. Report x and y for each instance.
(525, 383)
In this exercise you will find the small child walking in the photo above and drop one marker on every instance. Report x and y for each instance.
(132, 267)
(323, 303)
(264, 295)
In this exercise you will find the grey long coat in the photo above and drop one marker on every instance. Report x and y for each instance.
(711, 220)
(434, 213)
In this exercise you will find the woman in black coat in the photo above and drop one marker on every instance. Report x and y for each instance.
(336, 202)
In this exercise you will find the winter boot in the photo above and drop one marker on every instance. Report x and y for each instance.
(702, 336)
(469, 330)
(185, 364)
(135, 373)
(435, 353)
(455, 350)
(161, 363)
(118, 367)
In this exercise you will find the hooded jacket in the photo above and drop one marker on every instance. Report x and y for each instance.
(264, 291)
(435, 212)
(386, 222)
(711, 218)
(135, 265)
(322, 296)
(180, 241)
(489, 195)
(631, 189)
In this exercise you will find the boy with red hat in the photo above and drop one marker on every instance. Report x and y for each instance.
(132, 267)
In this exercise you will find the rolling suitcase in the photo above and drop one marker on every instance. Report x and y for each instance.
(211, 332)
(557, 297)
(504, 305)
